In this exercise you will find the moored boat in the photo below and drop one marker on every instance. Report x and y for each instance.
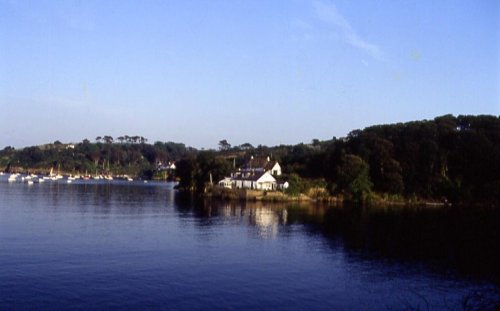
(12, 177)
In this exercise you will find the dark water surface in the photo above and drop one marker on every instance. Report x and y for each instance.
(143, 246)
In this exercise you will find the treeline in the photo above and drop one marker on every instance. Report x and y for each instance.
(455, 159)
(122, 139)
(450, 158)
(132, 156)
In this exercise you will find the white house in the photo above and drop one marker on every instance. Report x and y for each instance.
(257, 181)
(257, 174)
(166, 167)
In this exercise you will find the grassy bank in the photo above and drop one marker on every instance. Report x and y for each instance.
(314, 195)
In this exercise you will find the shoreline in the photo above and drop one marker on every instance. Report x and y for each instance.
(91, 175)
(226, 194)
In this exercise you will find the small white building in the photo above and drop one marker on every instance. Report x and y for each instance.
(166, 167)
(283, 185)
(227, 182)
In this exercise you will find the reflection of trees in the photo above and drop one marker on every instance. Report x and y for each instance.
(459, 238)
(488, 299)
(107, 198)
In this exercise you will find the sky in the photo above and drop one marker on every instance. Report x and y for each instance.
(263, 72)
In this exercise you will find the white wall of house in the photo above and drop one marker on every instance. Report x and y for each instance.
(265, 186)
(266, 182)
(226, 183)
(248, 184)
(276, 170)
(267, 177)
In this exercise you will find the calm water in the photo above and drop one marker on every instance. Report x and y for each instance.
(143, 246)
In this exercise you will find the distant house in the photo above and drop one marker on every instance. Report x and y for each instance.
(257, 181)
(170, 166)
(258, 174)
(262, 165)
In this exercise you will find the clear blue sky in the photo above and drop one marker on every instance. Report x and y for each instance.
(264, 72)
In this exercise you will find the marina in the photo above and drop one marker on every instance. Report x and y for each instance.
(36, 179)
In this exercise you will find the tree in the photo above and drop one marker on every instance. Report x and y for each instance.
(98, 139)
(295, 185)
(121, 139)
(354, 178)
(210, 164)
(385, 171)
(224, 145)
(187, 169)
(392, 178)
(108, 139)
(246, 146)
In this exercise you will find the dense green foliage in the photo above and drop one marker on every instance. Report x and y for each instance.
(353, 176)
(195, 171)
(452, 158)
(448, 158)
(133, 157)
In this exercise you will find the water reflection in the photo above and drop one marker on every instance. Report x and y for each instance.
(145, 241)
(462, 239)
(265, 218)
(446, 239)
(465, 239)
(97, 198)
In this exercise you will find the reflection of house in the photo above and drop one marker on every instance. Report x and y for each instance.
(257, 174)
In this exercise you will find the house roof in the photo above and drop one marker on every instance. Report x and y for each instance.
(253, 177)
(256, 176)
(257, 163)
